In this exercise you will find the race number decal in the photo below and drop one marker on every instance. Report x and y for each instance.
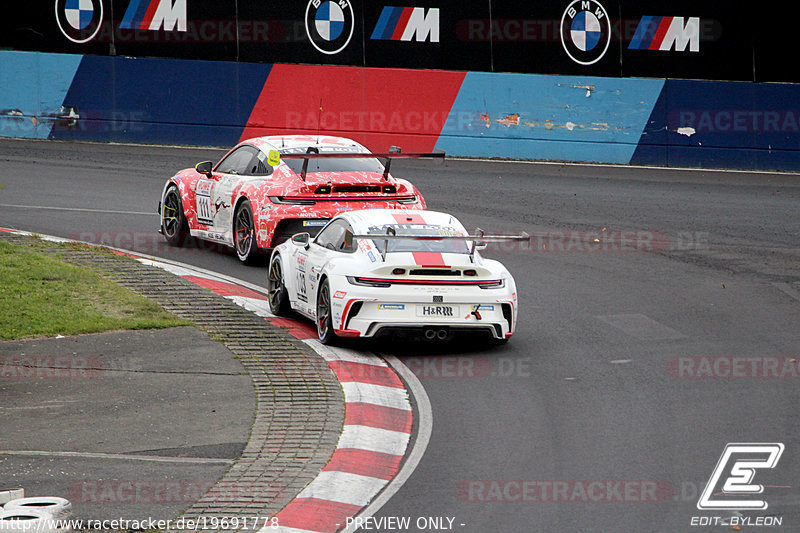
(205, 215)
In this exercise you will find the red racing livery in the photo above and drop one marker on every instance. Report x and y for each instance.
(266, 189)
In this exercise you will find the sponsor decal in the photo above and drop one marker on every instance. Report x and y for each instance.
(329, 25)
(79, 20)
(482, 307)
(667, 34)
(339, 294)
(155, 15)
(314, 222)
(371, 256)
(407, 23)
(204, 187)
(393, 307)
(585, 31)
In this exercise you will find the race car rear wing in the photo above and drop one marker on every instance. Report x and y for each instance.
(480, 239)
(393, 153)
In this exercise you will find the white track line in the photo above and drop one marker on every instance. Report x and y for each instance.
(83, 209)
(119, 456)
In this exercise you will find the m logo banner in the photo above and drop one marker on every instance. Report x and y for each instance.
(667, 33)
(738, 463)
(155, 15)
(406, 23)
(79, 20)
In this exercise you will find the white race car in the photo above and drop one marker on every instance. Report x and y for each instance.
(391, 270)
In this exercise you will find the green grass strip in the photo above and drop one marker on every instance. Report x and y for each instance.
(41, 296)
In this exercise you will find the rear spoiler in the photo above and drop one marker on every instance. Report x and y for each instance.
(479, 239)
(393, 153)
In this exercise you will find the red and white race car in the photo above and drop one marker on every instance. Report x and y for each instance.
(267, 189)
(390, 271)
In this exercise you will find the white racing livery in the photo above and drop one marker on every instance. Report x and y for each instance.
(391, 271)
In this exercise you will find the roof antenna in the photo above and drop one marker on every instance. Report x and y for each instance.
(319, 119)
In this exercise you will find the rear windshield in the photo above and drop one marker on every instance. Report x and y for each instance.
(402, 245)
(354, 164)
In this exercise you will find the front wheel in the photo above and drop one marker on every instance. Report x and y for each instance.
(324, 316)
(173, 221)
(278, 295)
(244, 234)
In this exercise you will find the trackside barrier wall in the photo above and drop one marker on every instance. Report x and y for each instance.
(473, 114)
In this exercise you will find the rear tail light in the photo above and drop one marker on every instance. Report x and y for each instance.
(367, 282)
(493, 284)
(290, 201)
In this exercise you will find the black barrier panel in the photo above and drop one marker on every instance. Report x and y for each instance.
(691, 39)
(424, 34)
(775, 55)
(699, 39)
(557, 37)
(302, 31)
(186, 29)
(57, 26)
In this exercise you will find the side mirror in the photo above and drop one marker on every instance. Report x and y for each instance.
(204, 168)
(481, 245)
(301, 239)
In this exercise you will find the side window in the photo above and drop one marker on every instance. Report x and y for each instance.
(237, 161)
(333, 237)
(260, 168)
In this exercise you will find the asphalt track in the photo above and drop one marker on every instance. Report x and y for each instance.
(590, 387)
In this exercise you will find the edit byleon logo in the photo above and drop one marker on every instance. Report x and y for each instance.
(585, 31)
(79, 20)
(731, 487)
(329, 25)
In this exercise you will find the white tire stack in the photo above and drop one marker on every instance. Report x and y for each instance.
(39, 515)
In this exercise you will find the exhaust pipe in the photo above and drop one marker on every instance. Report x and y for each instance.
(430, 334)
(441, 334)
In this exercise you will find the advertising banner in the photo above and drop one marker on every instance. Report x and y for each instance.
(427, 34)
(685, 39)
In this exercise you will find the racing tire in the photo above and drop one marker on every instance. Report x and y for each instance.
(244, 234)
(28, 521)
(174, 226)
(324, 315)
(278, 296)
(57, 508)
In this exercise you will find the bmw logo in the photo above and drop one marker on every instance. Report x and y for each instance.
(329, 24)
(585, 31)
(79, 20)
